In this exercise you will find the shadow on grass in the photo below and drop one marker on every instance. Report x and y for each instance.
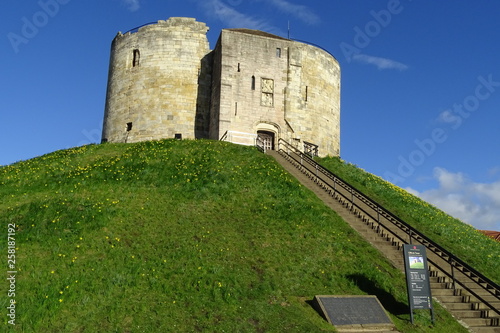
(315, 305)
(387, 300)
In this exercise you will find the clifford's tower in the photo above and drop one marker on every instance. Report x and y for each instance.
(252, 88)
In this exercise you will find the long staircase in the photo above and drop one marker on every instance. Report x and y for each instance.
(469, 296)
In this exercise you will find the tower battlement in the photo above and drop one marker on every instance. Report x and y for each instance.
(177, 22)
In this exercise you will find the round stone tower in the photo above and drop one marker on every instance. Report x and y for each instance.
(159, 83)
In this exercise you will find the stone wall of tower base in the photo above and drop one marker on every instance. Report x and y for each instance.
(157, 83)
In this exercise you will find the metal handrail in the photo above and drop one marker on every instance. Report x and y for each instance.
(259, 143)
(310, 149)
(224, 136)
(454, 261)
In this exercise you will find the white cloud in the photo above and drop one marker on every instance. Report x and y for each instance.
(301, 12)
(227, 12)
(494, 171)
(132, 5)
(234, 19)
(381, 63)
(475, 203)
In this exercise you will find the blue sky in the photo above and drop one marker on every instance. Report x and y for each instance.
(420, 81)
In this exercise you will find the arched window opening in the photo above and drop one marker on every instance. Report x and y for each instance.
(253, 82)
(137, 56)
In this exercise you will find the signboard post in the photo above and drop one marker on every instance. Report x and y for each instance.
(417, 279)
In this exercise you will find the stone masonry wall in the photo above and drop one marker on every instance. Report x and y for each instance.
(277, 85)
(314, 108)
(246, 57)
(153, 83)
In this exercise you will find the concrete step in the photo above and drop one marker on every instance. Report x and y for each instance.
(492, 300)
(484, 329)
(479, 321)
(442, 293)
(470, 314)
(439, 278)
(463, 306)
(450, 299)
(385, 243)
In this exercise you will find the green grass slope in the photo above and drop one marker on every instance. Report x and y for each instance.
(461, 239)
(181, 236)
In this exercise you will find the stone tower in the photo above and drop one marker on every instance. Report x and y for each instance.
(165, 82)
(158, 83)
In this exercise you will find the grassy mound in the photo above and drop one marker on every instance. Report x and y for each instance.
(181, 236)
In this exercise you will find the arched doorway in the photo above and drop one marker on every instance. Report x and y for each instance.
(266, 138)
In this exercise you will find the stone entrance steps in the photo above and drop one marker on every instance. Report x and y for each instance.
(463, 306)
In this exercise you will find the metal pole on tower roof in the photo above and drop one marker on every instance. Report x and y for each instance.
(288, 29)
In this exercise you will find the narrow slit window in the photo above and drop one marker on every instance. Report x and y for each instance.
(136, 58)
(278, 52)
(239, 69)
(253, 82)
(307, 92)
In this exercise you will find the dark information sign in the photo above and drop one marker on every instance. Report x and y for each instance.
(417, 277)
(352, 310)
